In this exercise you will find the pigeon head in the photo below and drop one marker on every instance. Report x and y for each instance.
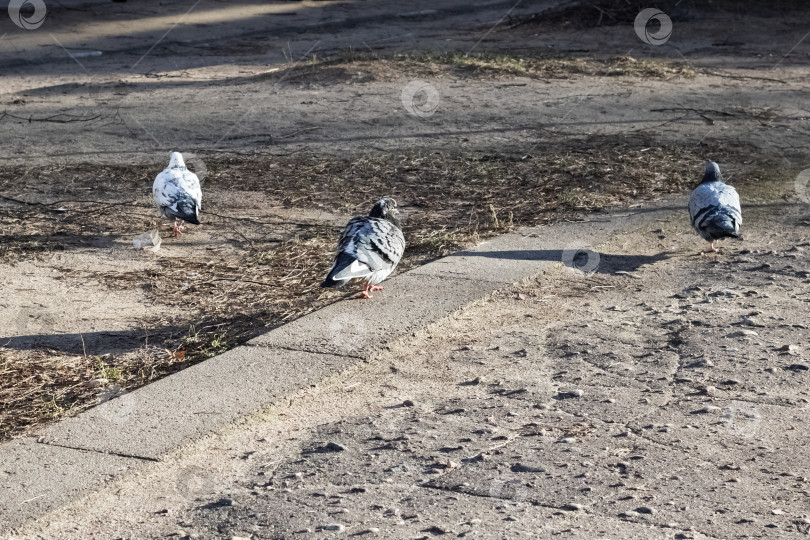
(176, 161)
(712, 173)
(386, 208)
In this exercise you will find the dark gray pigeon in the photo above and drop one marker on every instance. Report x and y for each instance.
(369, 248)
(714, 208)
(177, 193)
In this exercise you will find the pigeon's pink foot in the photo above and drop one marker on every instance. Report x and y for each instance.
(711, 249)
(375, 288)
(177, 229)
(364, 295)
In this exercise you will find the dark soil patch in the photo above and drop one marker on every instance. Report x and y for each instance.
(614, 12)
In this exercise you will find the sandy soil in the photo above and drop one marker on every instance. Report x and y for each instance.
(234, 93)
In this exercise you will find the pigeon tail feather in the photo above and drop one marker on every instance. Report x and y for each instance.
(345, 268)
(721, 227)
(187, 210)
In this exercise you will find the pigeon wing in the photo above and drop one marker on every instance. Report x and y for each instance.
(728, 198)
(711, 201)
(166, 189)
(191, 185)
(373, 244)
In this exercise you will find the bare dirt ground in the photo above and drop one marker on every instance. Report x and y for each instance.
(662, 396)
(294, 111)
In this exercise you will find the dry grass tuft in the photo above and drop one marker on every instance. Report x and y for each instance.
(540, 65)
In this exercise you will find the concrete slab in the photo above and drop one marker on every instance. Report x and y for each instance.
(159, 418)
(38, 478)
(505, 259)
(362, 328)
(528, 252)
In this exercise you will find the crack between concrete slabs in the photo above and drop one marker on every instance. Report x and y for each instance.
(308, 351)
(498, 285)
(90, 450)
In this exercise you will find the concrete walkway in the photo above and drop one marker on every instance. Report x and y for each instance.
(122, 436)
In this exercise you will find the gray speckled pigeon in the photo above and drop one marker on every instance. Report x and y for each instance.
(714, 208)
(369, 248)
(177, 193)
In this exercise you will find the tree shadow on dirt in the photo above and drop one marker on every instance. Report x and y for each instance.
(56, 242)
(91, 343)
(192, 337)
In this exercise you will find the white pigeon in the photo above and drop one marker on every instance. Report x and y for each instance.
(177, 193)
(714, 208)
(370, 248)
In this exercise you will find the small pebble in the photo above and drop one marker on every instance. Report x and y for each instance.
(335, 447)
(709, 409)
(337, 527)
(742, 333)
(798, 367)
(521, 468)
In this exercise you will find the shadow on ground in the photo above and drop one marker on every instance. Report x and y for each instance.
(579, 257)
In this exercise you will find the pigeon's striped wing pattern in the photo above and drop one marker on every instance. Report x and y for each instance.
(714, 209)
(369, 248)
(178, 194)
